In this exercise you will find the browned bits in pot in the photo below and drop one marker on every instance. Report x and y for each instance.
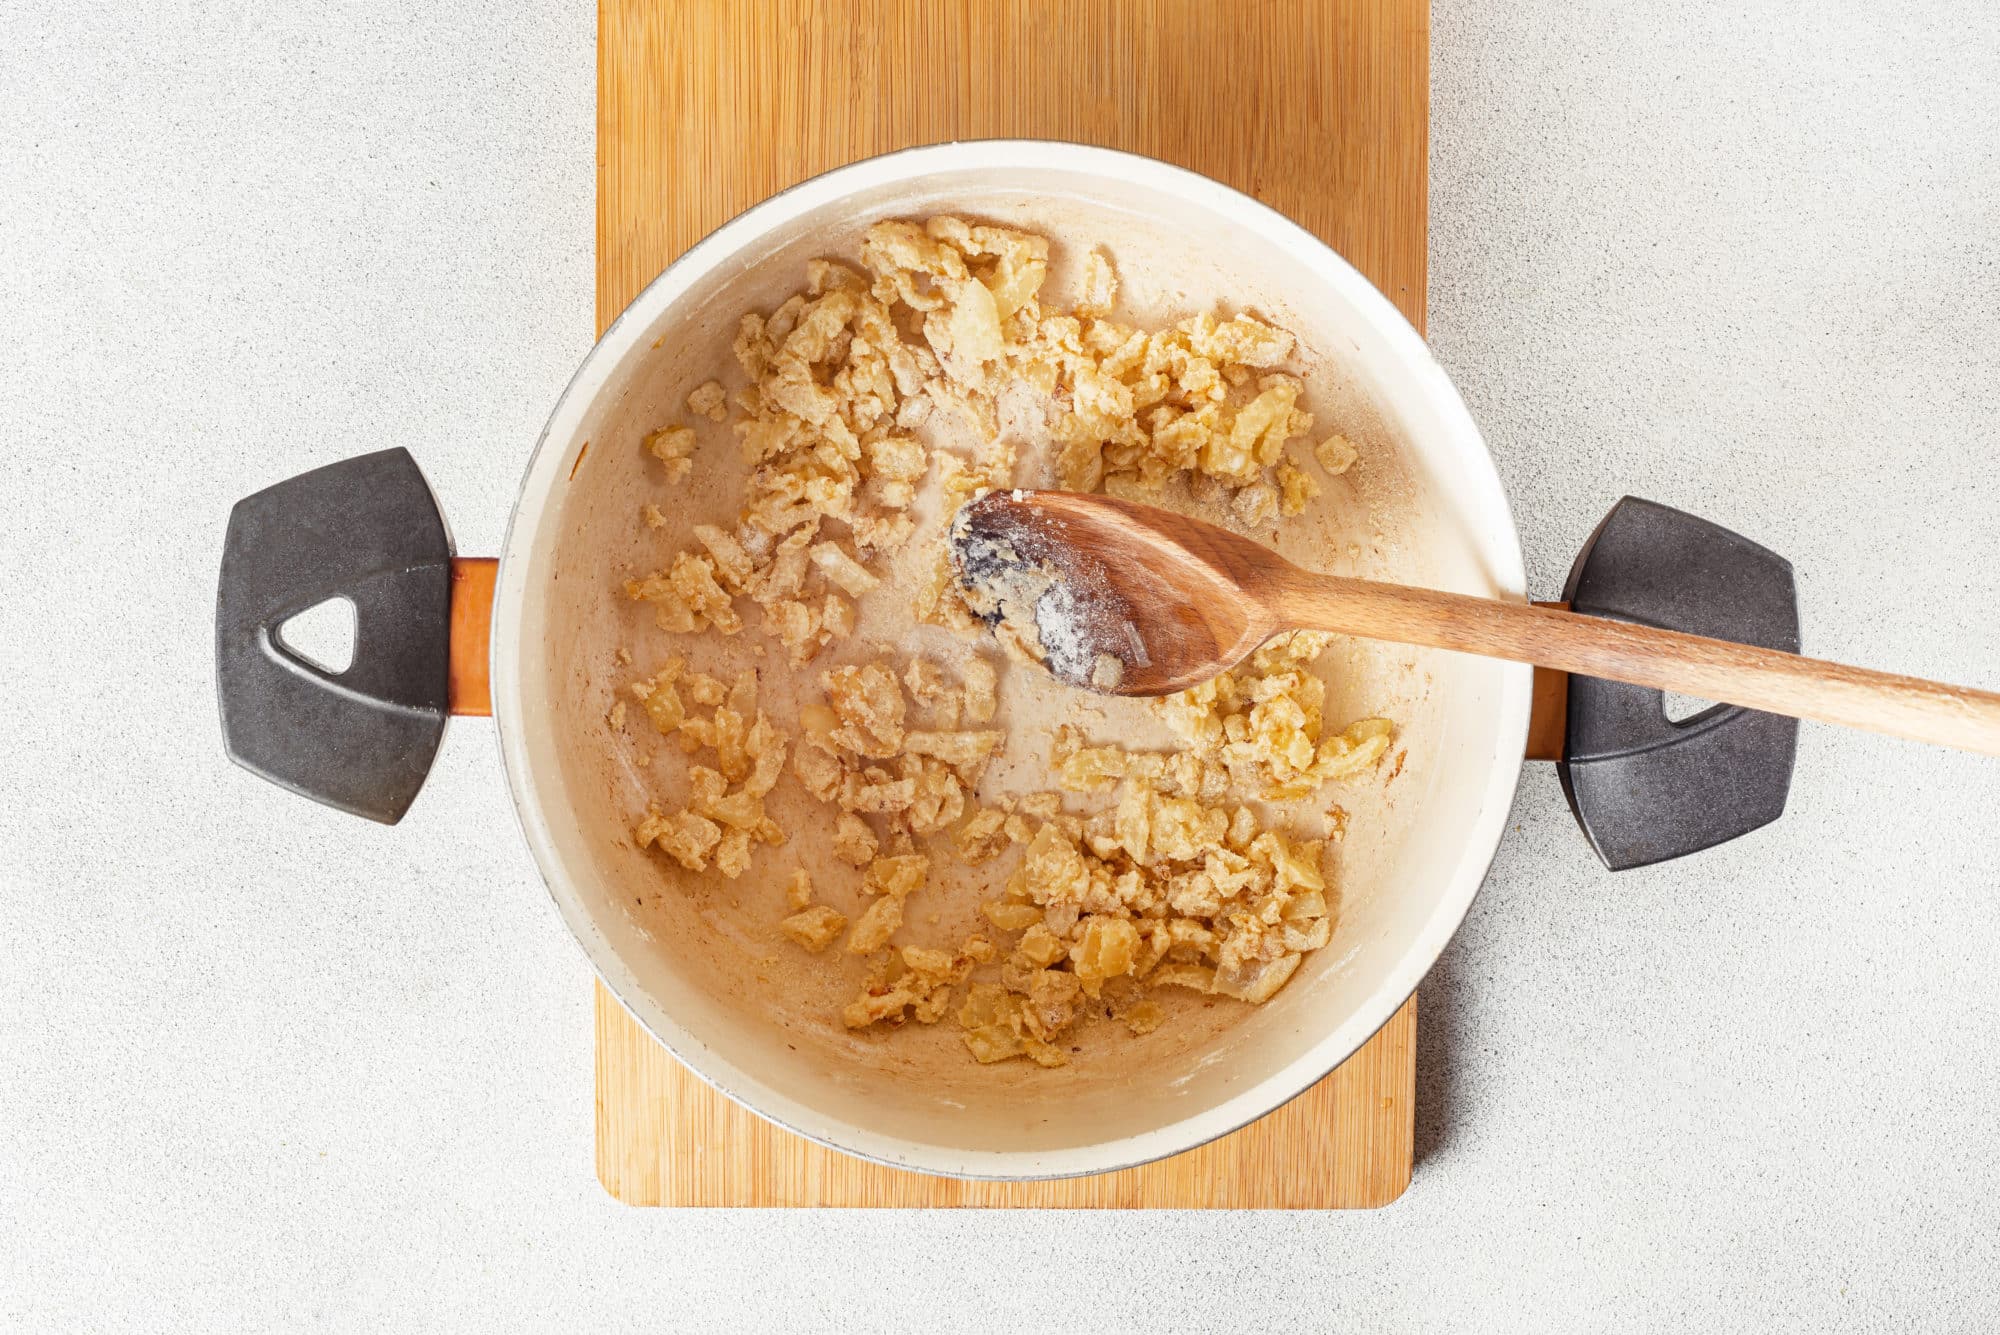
(1147, 871)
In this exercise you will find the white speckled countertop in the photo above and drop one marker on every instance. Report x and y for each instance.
(262, 1066)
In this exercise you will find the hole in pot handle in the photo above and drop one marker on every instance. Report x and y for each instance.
(368, 530)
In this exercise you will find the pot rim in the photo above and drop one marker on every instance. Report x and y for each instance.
(1485, 500)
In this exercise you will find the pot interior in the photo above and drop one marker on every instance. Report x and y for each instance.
(699, 959)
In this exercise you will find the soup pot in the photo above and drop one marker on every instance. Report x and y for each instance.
(541, 638)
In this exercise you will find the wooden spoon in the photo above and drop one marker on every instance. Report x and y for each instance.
(1129, 599)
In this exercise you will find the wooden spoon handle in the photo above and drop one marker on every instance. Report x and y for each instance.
(1738, 674)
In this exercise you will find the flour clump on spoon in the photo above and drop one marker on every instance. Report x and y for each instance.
(1033, 591)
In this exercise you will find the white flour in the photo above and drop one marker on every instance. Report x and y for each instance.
(1015, 575)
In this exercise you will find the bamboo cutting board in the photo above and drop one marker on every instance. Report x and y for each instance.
(1319, 108)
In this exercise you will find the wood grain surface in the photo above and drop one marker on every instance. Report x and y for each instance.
(1319, 108)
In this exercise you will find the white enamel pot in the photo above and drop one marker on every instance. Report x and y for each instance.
(690, 965)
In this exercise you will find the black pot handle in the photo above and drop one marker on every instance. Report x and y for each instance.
(1646, 788)
(369, 530)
